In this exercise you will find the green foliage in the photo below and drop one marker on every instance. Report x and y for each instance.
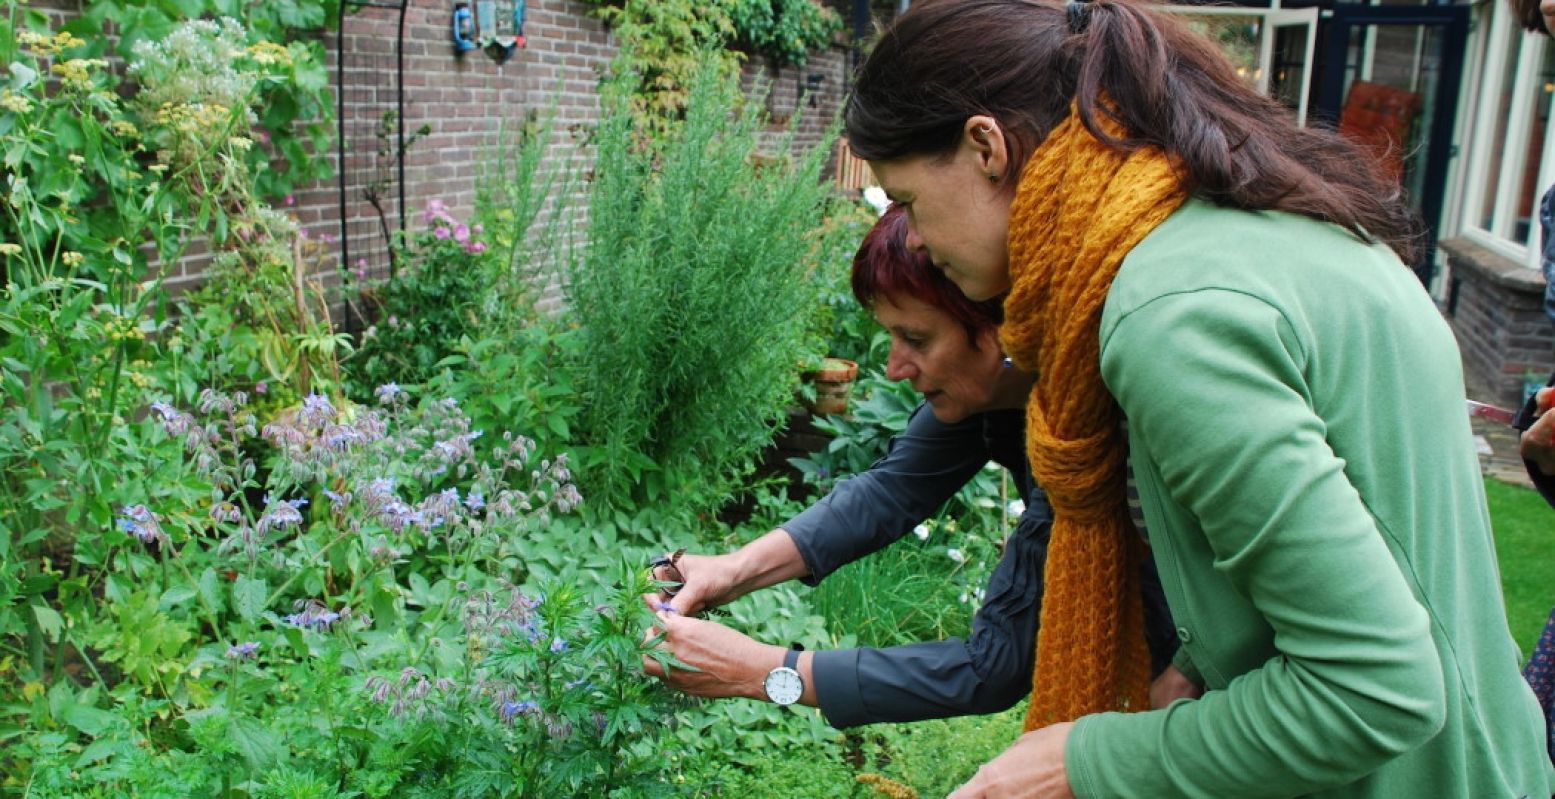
(842, 328)
(665, 42)
(521, 197)
(936, 757)
(296, 119)
(783, 30)
(918, 589)
(88, 206)
(693, 298)
(663, 45)
(199, 85)
(861, 437)
(429, 305)
(517, 380)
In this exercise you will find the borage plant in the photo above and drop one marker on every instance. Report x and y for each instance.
(357, 539)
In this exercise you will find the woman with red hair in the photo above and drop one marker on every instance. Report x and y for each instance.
(947, 346)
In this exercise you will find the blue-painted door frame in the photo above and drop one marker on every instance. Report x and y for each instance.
(1454, 22)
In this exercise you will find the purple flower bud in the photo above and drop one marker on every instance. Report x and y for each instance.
(139, 521)
(243, 651)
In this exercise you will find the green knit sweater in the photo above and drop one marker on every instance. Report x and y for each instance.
(1314, 503)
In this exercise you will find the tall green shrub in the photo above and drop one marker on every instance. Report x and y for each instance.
(692, 298)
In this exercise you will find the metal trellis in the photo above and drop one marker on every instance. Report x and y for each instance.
(370, 142)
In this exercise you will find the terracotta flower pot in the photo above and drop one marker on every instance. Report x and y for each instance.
(833, 383)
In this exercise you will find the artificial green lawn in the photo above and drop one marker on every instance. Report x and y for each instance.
(1524, 526)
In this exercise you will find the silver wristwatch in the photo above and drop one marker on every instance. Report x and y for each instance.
(783, 684)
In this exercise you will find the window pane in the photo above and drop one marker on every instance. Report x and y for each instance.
(1529, 191)
(1512, 44)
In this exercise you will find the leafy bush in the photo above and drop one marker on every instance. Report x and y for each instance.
(842, 327)
(295, 111)
(783, 30)
(100, 184)
(665, 42)
(411, 664)
(693, 298)
(429, 305)
(199, 85)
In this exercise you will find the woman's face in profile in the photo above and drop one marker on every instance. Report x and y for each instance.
(930, 348)
(956, 215)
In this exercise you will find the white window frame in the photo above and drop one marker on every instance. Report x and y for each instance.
(1269, 20)
(1508, 183)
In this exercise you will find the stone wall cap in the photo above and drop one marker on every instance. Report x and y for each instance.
(1468, 256)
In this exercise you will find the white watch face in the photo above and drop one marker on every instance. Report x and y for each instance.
(784, 686)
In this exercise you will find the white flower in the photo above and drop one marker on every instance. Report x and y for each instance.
(875, 196)
(955, 555)
(1016, 507)
(922, 531)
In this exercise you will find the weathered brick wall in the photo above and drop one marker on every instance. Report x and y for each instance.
(1499, 318)
(466, 99)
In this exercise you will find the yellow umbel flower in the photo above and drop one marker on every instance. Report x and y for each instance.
(266, 53)
(887, 787)
(14, 103)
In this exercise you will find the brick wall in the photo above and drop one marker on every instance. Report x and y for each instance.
(466, 99)
(1498, 315)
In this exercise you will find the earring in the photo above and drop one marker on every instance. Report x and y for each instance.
(993, 178)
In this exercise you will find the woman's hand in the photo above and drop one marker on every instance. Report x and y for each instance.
(728, 662)
(1171, 686)
(1033, 767)
(1538, 443)
(706, 581)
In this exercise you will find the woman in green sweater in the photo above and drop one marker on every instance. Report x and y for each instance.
(1214, 304)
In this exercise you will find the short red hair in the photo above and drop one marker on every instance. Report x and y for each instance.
(883, 267)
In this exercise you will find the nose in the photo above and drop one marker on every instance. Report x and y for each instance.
(915, 242)
(898, 366)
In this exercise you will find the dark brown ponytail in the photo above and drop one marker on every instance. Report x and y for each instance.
(1023, 62)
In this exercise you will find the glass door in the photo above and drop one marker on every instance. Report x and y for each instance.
(1271, 48)
(1390, 82)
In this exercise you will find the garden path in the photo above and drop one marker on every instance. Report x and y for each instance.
(1498, 456)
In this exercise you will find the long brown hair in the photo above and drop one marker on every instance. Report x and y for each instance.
(1529, 16)
(1024, 61)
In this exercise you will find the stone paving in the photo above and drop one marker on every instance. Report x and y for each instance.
(1497, 442)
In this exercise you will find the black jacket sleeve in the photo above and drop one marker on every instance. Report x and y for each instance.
(985, 673)
(924, 465)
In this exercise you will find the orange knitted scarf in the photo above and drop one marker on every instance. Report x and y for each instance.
(1081, 205)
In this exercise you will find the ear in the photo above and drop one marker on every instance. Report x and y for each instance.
(983, 137)
(987, 340)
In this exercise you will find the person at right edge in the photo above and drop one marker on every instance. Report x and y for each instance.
(1176, 253)
(1535, 419)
